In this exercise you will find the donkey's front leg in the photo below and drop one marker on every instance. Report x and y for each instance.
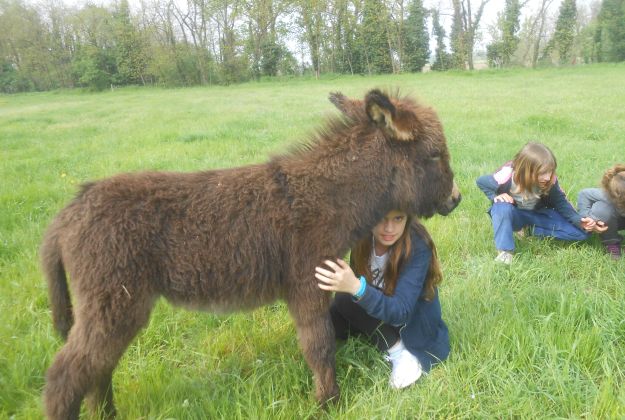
(316, 337)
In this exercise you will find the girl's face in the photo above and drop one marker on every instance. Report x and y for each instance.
(389, 229)
(544, 178)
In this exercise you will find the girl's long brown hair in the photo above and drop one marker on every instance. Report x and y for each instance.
(532, 159)
(399, 252)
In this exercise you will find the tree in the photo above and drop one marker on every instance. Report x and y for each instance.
(442, 59)
(130, 55)
(94, 63)
(587, 22)
(194, 20)
(172, 61)
(464, 32)
(374, 38)
(233, 65)
(25, 50)
(417, 40)
(459, 54)
(11, 80)
(542, 16)
(532, 34)
(611, 31)
(262, 20)
(353, 54)
(94, 67)
(396, 32)
(311, 19)
(61, 45)
(561, 45)
(500, 51)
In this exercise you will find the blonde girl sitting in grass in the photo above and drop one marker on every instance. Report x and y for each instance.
(524, 193)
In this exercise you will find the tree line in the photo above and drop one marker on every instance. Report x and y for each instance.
(195, 42)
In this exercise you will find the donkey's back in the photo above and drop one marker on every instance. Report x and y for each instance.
(204, 240)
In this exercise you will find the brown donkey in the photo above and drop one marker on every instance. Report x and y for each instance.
(233, 239)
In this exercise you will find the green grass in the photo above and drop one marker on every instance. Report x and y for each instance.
(543, 339)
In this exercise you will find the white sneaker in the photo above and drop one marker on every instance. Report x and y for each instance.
(504, 257)
(406, 370)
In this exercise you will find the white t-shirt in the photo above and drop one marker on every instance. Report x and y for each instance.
(378, 265)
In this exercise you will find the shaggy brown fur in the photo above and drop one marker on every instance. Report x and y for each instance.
(233, 239)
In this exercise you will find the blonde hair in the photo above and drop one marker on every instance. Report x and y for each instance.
(613, 183)
(532, 160)
(399, 252)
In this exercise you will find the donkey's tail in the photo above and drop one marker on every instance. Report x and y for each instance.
(58, 292)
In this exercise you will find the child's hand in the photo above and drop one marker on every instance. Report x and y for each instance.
(588, 224)
(600, 227)
(341, 278)
(504, 198)
(591, 225)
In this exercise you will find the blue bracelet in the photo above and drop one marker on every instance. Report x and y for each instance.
(361, 291)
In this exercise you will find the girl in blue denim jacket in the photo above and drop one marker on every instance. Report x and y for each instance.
(389, 295)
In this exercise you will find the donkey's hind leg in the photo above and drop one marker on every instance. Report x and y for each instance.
(316, 337)
(100, 398)
(84, 366)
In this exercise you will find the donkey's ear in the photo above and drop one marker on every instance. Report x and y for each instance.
(349, 107)
(383, 113)
(338, 99)
(379, 107)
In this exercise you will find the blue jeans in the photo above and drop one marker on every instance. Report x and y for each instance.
(507, 219)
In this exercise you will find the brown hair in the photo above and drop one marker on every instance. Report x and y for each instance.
(613, 183)
(533, 159)
(399, 252)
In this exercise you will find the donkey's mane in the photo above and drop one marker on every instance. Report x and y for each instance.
(324, 137)
(336, 126)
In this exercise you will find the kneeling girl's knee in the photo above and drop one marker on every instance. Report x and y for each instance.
(501, 209)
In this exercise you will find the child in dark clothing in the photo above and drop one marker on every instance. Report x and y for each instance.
(395, 301)
(606, 206)
(525, 192)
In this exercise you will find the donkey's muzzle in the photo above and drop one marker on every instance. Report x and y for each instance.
(452, 202)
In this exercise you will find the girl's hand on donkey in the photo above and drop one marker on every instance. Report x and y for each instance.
(340, 277)
(504, 198)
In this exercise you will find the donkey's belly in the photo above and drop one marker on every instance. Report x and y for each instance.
(221, 297)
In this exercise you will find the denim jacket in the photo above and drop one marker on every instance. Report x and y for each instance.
(423, 331)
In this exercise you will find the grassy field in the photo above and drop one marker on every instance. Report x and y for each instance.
(543, 339)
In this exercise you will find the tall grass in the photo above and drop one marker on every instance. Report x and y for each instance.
(545, 338)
